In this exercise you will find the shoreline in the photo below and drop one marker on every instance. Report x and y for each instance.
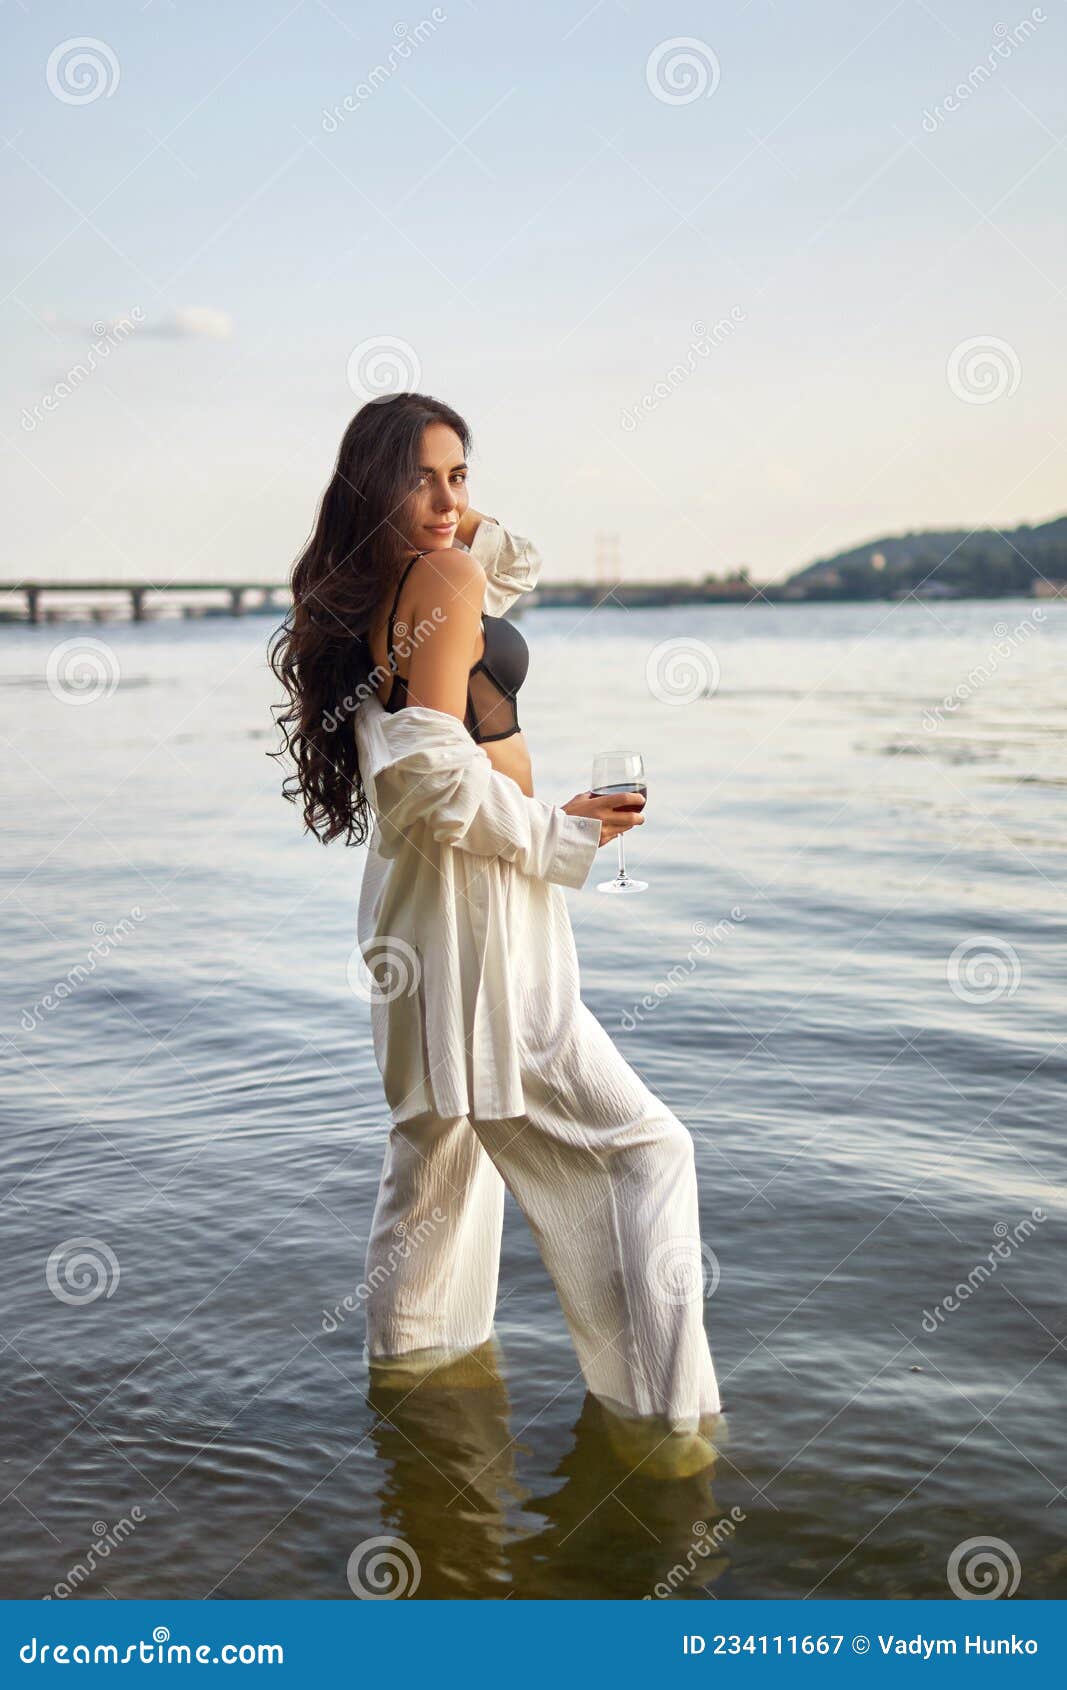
(168, 608)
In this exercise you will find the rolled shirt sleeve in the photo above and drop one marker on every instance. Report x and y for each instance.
(512, 565)
(447, 783)
(541, 839)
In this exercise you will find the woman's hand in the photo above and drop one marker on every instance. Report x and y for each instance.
(468, 526)
(617, 811)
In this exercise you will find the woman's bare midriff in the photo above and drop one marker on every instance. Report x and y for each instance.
(510, 756)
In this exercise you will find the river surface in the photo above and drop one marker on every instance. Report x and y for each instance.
(846, 977)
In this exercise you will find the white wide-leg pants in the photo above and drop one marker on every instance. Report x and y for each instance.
(604, 1174)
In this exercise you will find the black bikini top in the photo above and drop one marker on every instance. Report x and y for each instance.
(493, 682)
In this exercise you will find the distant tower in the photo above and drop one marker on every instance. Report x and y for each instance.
(607, 567)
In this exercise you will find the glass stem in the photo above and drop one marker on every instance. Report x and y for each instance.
(622, 858)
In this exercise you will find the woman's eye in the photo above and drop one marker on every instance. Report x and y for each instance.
(459, 475)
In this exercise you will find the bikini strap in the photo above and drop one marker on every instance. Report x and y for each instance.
(392, 613)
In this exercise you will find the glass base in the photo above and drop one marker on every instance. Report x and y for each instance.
(625, 884)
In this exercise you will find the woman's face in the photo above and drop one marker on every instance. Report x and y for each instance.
(440, 497)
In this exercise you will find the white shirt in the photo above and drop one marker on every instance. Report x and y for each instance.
(462, 918)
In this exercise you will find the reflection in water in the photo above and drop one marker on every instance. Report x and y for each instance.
(447, 1466)
(632, 1495)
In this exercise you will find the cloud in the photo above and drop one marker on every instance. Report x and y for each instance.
(188, 322)
(192, 322)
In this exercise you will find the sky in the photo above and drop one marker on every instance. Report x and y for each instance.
(741, 285)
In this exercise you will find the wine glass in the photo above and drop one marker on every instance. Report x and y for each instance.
(619, 771)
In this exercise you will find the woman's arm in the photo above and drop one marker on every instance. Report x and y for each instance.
(464, 802)
(512, 565)
(468, 523)
(437, 775)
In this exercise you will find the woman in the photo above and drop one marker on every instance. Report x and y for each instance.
(403, 679)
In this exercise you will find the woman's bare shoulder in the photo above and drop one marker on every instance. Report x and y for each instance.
(450, 571)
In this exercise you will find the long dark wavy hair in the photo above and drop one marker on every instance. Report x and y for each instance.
(354, 557)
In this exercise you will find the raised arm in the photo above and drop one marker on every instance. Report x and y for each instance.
(512, 565)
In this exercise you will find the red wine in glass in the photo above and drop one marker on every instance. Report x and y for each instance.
(619, 771)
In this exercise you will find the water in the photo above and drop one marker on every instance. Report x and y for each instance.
(872, 1119)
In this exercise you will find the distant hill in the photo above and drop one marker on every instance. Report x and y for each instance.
(940, 563)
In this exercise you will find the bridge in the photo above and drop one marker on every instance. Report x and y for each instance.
(142, 595)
